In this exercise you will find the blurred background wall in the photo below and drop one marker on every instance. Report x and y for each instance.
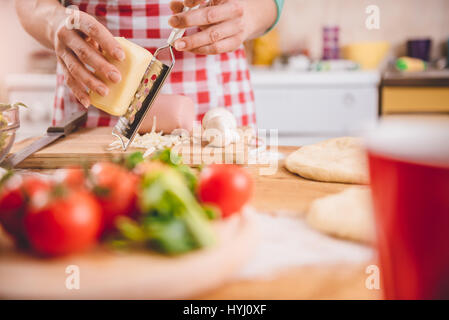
(300, 27)
(301, 23)
(16, 44)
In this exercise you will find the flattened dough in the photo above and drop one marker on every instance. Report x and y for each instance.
(335, 160)
(346, 215)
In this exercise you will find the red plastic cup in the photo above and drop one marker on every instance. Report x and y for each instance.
(409, 169)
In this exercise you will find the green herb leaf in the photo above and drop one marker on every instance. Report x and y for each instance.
(101, 191)
(8, 174)
(20, 104)
(132, 160)
(212, 212)
(8, 106)
(171, 221)
(130, 230)
(167, 157)
(170, 236)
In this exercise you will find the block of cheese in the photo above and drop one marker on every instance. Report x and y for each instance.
(132, 70)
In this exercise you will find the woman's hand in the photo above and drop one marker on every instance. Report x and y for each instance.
(77, 43)
(224, 24)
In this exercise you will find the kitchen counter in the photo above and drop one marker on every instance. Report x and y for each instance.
(415, 92)
(290, 194)
(429, 78)
(286, 193)
(273, 77)
(306, 107)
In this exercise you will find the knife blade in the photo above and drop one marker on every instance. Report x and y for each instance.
(53, 133)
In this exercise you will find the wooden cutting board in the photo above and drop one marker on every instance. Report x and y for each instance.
(106, 274)
(80, 147)
(87, 146)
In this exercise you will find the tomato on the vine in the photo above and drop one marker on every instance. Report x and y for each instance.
(74, 177)
(15, 196)
(68, 221)
(116, 190)
(227, 186)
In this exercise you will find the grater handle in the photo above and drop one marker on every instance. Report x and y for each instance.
(178, 33)
(175, 35)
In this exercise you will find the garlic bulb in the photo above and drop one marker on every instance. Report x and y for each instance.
(220, 128)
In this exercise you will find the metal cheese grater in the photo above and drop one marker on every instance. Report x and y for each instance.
(153, 80)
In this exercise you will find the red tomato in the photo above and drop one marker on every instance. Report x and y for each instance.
(116, 191)
(226, 186)
(73, 177)
(14, 199)
(67, 223)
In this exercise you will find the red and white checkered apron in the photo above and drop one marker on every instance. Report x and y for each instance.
(221, 80)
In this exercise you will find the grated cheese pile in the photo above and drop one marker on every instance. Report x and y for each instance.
(154, 141)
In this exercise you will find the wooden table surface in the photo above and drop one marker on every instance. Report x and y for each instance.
(287, 192)
(280, 192)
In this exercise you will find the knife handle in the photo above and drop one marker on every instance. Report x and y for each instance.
(75, 121)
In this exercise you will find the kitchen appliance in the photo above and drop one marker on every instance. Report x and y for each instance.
(409, 169)
(154, 78)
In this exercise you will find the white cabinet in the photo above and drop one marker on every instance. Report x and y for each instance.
(304, 107)
(308, 107)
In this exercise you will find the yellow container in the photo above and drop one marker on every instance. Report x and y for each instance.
(266, 49)
(368, 54)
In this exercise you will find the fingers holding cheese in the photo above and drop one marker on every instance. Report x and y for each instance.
(78, 71)
(90, 56)
(99, 33)
(78, 91)
(80, 49)
(77, 88)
